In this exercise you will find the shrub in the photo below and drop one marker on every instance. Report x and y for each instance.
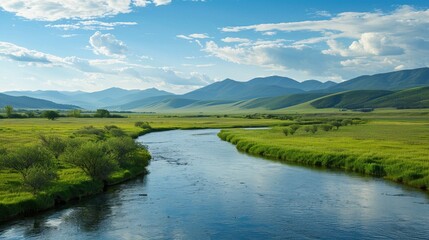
(51, 115)
(336, 124)
(39, 177)
(286, 131)
(25, 158)
(307, 129)
(55, 144)
(91, 130)
(120, 148)
(314, 129)
(91, 157)
(326, 127)
(144, 125)
(102, 113)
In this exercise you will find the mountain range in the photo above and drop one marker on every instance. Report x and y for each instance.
(394, 89)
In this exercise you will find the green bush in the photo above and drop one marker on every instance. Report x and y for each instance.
(55, 144)
(39, 177)
(91, 157)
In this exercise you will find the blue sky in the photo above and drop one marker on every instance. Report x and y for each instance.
(181, 45)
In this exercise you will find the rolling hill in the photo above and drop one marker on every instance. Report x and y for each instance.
(408, 98)
(386, 81)
(31, 103)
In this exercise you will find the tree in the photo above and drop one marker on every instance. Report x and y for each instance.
(144, 125)
(51, 115)
(102, 113)
(307, 129)
(336, 124)
(294, 128)
(313, 129)
(286, 131)
(326, 127)
(121, 148)
(75, 113)
(346, 122)
(34, 163)
(91, 157)
(9, 110)
(55, 144)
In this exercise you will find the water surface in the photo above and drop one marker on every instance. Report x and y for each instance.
(200, 187)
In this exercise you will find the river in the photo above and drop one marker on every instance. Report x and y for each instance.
(200, 187)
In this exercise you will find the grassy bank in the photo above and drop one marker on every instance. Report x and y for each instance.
(395, 148)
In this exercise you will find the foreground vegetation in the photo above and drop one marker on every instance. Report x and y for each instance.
(392, 147)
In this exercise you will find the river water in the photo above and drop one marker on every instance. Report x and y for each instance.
(200, 187)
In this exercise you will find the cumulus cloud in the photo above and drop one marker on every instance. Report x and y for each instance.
(107, 45)
(347, 43)
(103, 72)
(90, 25)
(53, 10)
(16, 53)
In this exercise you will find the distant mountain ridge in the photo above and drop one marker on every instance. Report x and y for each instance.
(273, 86)
(31, 103)
(268, 93)
(92, 100)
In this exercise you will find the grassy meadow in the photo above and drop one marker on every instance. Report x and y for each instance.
(390, 144)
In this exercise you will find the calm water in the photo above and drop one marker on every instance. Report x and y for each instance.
(202, 188)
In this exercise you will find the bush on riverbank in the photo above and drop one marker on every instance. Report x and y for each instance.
(60, 169)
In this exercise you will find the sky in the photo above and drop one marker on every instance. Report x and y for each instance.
(182, 45)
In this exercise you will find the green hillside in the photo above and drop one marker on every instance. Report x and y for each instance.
(279, 102)
(408, 98)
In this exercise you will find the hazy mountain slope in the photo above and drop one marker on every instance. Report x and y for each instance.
(279, 102)
(233, 90)
(386, 81)
(351, 99)
(99, 99)
(31, 103)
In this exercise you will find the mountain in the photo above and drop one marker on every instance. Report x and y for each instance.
(408, 98)
(386, 81)
(31, 103)
(279, 102)
(93, 100)
(256, 88)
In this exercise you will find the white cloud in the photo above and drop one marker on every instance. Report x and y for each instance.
(193, 36)
(161, 2)
(53, 10)
(269, 33)
(16, 53)
(90, 25)
(107, 45)
(349, 43)
(235, 40)
(68, 35)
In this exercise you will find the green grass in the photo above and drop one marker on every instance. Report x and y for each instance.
(394, 148)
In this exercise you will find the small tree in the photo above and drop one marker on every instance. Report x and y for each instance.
(336, 124)
(9, 110)
(75, 113)
(307, 129)
(144, 125)
(314, 129)
(286, 131)
(51, 115)
(326, 127)
(294, 127)
(346, 122)
(55, 144)
(34, 163)
(102, 113)
(121, 148)
(91, 157)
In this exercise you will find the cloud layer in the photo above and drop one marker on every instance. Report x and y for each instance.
(347, 44)
(53, 10)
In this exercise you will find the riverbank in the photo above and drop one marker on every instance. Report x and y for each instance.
(396, 150)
